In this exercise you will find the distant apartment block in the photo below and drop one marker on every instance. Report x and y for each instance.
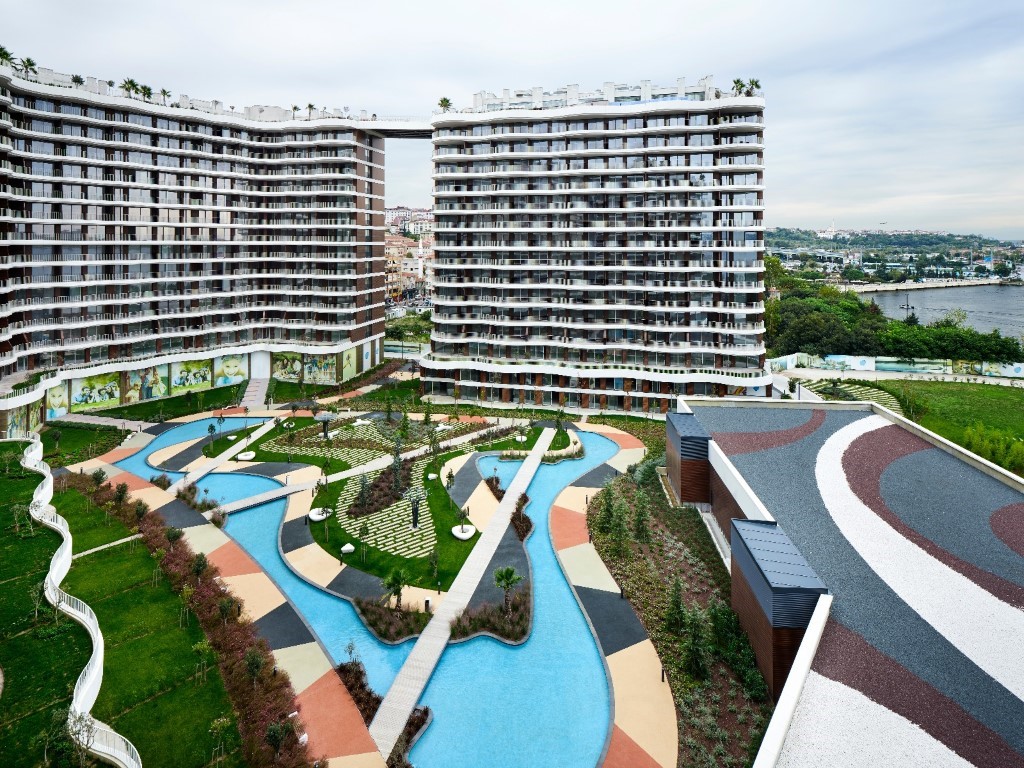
(602, 249)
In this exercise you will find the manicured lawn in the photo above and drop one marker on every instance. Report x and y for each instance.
(560, 440)
(511, 444)
(222, 443)
(179, 405)
(651, 432)
(92, 527)
(948, 408)
(78, 442)
(451, 552)
(150, 691)
(39, 672)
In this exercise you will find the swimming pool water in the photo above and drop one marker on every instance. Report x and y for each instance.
(542, 703)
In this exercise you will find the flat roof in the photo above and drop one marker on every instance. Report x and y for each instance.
(686, 425)
(920, 662)
(777, 557)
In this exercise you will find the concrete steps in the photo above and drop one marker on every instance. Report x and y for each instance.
(255, 393)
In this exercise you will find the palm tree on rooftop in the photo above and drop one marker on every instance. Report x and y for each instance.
(146, 91)
(738, 86)
(164, 94)
(445, 104)
(27, 66)
(77, 80)
(753, 87)
(310, 107)
(295, 108)
(6, 57)
(129, 86)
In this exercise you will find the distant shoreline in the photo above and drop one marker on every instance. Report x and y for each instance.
(898, 287)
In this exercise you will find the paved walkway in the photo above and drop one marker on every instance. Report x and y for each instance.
(112, 544)
(240, 446)
(412, 678)
(255, 393)
(104, 421)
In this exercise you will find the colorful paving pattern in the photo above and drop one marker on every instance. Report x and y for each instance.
(920, 662)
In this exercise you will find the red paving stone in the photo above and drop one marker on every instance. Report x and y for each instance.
(623, 440)
(473, 419)
(353, 393)
(568, 528)
(623, 752)
(231, 411)
(134, 482)
(117, 454)
(1008, 524)
(334, 725)
(231, 560)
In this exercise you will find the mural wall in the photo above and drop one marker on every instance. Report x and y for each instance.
(320, 369)
(854, 364)
(57, 400)
(102, 390)
(147, 383)
(35, 416)
(191, 376)
(17, 421)
(287, 366)
(230, 369)
(348, 364)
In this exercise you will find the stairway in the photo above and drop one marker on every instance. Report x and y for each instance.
(255, 393)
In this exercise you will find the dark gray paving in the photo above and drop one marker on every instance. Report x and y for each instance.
(352, 582)
(179, 461)
(863, 602)
(295, 534)
(282, 628)
(159, 429)
(550, 424)
(718, 419)
(613, 619)
(950, 503)
(509, 552)
(275, 468)
(466, 481)
(180, 515)
(598, 476)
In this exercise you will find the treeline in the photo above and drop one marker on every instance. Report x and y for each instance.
(826, 321)
(806, 238)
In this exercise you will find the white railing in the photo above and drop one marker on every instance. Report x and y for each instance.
(106, 743)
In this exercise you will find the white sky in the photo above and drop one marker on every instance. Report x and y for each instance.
(911, 113)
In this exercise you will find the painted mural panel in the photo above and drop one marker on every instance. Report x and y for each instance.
(102, 390)
(190, 376)
(287, 366)
(900, 365)
(147, 383)
(16, 422)
(320, 369)
(35, 416)
(348, 364)
(57, 400)
(230, 369)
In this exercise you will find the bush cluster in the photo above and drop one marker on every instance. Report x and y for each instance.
(388, 623)
(492, 618)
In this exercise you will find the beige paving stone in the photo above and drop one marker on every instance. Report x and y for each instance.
(159, 457)
(205, 538)
(643, 704)
(153, 496)
(365, 760)
(482, 506)
(138, 440)
(626, 458)
(257, 592)
(585, 569)
(315, 564)
(192, 417)
(299, 505)
(300, 475)
(305, 664)
(415, 597)
(454, 465)
(91, 465)
(575, 497)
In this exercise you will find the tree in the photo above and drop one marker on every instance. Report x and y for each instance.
(363, 498)
(141, 508)
(675, 614)
(697, 645)
(224, 608)
(310, 107)
(120, 494)
(444, 104)
(607, 510)
(433, 561)
(463, 514)
(277, 732)
(37, 593)
(364, 534)
(27, 67)
(82, 730)
(619, 532)
(98, 477)
(129, 86)
(220, 423)
(164, 95)
(641, 518)
(254, 662)
(199, 565)
(6, 57)
(295, 108)
(173, 534)
(55, 434)
(738, 86)
(77, 80)
(753, 86)
(506, 579)
(146, 91)
(393, 584)
(211, 431)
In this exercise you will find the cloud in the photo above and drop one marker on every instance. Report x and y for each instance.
(877, 111)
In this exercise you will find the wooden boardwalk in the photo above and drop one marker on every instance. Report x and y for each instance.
(412, 678)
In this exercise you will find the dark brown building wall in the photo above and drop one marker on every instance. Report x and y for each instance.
(694, 481)
(723, 505)
(672, 461)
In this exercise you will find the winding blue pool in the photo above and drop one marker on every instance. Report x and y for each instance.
(543, 703)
